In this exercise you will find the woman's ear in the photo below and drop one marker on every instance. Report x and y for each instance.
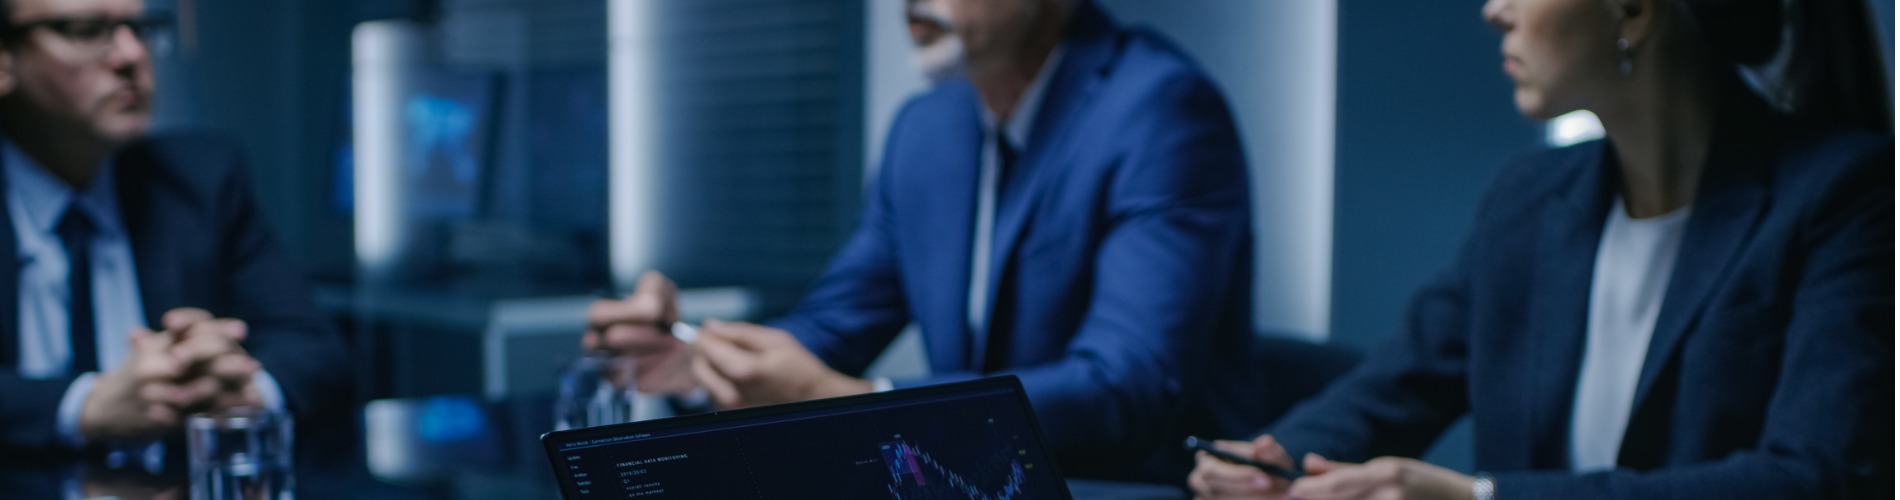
(1636, 19)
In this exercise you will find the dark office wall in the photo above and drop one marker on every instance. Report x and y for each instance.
(274, 75)
(269, 74)
(762, 147)
(1425, 118)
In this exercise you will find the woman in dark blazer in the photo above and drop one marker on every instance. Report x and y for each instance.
(1700, 306)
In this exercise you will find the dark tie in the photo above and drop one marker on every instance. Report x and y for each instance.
(996, 346)
(1005, 158)
(75, 233)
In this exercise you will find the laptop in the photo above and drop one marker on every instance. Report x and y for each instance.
(975, 439)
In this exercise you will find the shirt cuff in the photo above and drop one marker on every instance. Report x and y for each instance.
(70, 407)
(882, 384)
(696, 398)
(268, 390)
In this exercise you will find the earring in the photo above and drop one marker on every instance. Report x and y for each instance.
(1628, 61)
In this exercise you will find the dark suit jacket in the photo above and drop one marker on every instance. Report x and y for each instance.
(1122, 270)
(198, 240)
(1769, 374)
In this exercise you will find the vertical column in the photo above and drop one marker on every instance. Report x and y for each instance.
(380, 53)
(633, 151)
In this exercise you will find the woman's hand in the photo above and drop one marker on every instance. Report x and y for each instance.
(1382, 478)
(1214, 478)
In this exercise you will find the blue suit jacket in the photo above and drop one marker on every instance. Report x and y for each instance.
(1123, 247)
(1769, 374)
(198, 240)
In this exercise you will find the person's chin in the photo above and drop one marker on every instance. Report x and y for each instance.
(1531, 104)
(942, 60)
(124, 128)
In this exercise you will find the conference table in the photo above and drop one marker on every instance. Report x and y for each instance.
(425, 448)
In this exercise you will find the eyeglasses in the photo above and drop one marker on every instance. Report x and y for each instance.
(93, 36)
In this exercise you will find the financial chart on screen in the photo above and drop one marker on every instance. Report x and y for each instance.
(974, 440)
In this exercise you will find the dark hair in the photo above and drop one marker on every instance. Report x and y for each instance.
(1835, 71)
(6, 25)
(1746, 32)
(1831, 69)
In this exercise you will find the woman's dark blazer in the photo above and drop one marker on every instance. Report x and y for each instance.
(1770, 372)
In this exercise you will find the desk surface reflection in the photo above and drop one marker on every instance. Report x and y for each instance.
(445, 447)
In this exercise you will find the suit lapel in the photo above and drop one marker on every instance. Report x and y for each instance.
(1729, 201)
(951, 167)
(142, 207)
(138, 207)
(1566, 259)
(1091, 50)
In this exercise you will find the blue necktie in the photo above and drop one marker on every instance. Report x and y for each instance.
(75, 233)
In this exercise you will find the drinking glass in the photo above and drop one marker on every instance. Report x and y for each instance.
(243, 453)
(595, 390)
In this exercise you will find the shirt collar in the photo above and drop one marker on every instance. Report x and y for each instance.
(45, 197)
(1023, 120)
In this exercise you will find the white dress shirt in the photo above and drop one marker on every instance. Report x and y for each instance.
(1634, 260)
(36, 200)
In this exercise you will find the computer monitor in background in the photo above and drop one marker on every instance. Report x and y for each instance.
(447, 120)
(504, 176)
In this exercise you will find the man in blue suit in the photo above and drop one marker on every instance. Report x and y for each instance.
(126, 245)
(1074, 212)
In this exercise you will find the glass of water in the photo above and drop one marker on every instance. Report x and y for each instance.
(595, 390)
(243, 453)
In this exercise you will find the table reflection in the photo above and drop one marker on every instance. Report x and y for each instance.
(445, 447)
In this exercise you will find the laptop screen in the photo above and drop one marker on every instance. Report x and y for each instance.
(976, 439)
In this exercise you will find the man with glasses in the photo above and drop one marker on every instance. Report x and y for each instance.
(147, 287)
